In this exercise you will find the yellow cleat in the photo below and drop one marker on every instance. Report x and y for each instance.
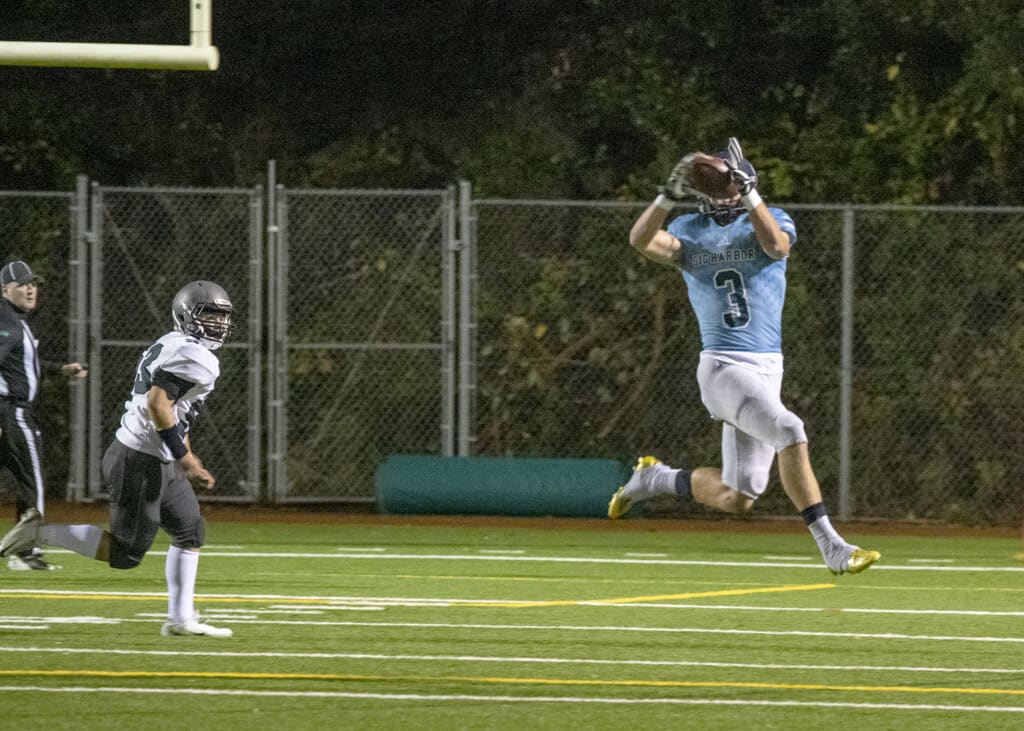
(860, 560)
(620, 503)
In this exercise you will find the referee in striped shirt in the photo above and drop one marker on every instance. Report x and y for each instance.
(20, 444)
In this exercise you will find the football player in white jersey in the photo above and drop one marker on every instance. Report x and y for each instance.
(150, 468)
(732, 256)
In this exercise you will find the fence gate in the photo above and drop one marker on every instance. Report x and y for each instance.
(148, 243)
(361, 313)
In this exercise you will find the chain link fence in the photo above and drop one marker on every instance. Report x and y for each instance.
(583, 348)
(938, 364)
(363, 321)
(44, 229)
(148, 243)
(903, 336)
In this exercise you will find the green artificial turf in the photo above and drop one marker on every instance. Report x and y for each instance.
(391, 626)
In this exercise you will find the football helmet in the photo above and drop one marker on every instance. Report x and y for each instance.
(203, 310)
(724, 211)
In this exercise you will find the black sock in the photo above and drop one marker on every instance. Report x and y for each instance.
(812, 513)
(683, 486)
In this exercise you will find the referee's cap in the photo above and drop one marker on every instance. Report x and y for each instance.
(17, 272)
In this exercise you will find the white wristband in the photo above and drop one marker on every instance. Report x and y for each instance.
(751, 200)
(664, 203)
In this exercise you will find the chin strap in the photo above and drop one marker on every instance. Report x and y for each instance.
(722, 215)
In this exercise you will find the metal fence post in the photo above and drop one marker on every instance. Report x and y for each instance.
(449, 244)
(255, 341)
(78, 338)
(846, 370)
(95, 334)
(467, 320)
(280, 448)
(272, 405)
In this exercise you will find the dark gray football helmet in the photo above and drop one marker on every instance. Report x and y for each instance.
(725, 210)
(203, 310)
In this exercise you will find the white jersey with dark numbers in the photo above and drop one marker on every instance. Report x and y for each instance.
(736, 290)
(190, 372)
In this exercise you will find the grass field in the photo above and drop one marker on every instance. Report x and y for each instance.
(508, 627)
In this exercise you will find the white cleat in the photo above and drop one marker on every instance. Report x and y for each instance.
(29, 561)
(194, 627)
(24, 535)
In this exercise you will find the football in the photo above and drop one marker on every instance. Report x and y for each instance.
(710, 175)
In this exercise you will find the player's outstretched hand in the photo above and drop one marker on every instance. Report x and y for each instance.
(675, 188)
(680, 184)
(745, 182)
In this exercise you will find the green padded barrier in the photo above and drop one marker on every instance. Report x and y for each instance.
(426, 485)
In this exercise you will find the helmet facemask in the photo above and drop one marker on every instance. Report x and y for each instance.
(212, 324)
(724, 211)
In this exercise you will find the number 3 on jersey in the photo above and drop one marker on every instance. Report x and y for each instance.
(737, 313)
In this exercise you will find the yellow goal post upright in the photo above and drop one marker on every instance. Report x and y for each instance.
(199, 55)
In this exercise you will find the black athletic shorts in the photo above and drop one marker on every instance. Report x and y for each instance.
(146, 495)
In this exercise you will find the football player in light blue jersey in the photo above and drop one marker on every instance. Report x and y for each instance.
(725, 269)
(732, 256)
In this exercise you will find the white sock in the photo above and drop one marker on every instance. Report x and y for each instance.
(189, 565)
(181, 569)
(82, 539)
(824, 534)
(663, 481)
(173, 576)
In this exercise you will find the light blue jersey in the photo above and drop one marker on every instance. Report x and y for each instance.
(736, 290)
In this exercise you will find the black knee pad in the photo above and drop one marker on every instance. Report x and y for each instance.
(190, 536)
(121, 558)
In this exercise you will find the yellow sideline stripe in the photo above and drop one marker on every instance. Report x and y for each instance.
(320, 600)
(506, 681)
(655, 598)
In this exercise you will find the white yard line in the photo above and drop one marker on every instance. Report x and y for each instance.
(646, 555)
(503, 659)
(592, 560)
(915, 707)
(364, 554)
(624, 630)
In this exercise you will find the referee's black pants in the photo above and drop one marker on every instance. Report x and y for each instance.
(21, 452)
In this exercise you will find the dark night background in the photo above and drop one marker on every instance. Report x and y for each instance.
(836, 102)
(872, 101)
